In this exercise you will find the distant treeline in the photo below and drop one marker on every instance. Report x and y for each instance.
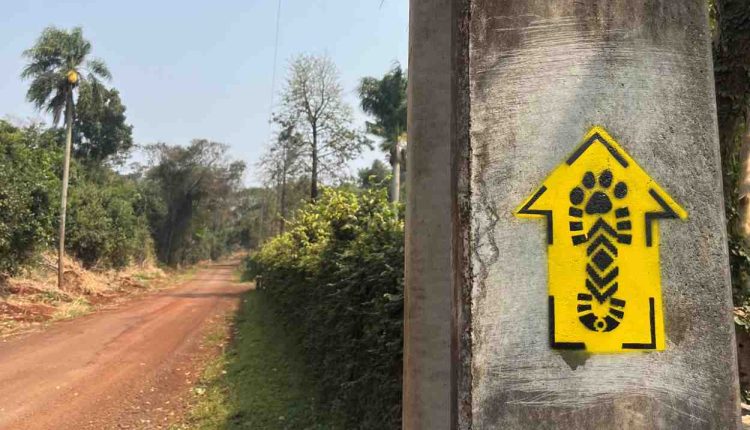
(64, 183)
(187, 204)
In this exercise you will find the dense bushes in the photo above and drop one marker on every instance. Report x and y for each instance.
(336, 278)
(195, 197)
(107, 224)
(187, 202)
(28, 192)
(186, 205)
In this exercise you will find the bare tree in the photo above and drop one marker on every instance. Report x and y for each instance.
(282, 162)
(312, 100)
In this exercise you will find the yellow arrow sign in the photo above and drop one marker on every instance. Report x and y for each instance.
(602, 212)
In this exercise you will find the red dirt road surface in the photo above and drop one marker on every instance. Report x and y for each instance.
(131, 367)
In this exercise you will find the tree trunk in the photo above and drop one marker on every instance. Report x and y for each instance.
(744, 183)
(396, 173)
(732, 62)
(170, 235)
(314, 175)
(64, 194)
(743, 227)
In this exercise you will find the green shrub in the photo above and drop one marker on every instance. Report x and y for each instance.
(107, 225)
(198, 186)
(29, 187)
(112, 219)
(336, 278)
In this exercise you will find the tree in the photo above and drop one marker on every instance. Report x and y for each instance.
(100, 131)
(28, 157)
(254, 211)
(385, 99)
(732, 75)
(107, 226)
(282, 162)
(55, 66)
(197, 184)
(373, 176)
(731, 22)
(313, 101)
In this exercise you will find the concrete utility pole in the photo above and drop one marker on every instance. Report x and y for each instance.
(566, 249)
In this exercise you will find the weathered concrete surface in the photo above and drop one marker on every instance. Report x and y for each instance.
(542, 73)
(428, 275)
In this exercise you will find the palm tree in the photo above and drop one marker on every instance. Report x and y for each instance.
(385, 100)
(56, 64)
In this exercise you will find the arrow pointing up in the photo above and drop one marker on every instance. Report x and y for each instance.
(601, 211)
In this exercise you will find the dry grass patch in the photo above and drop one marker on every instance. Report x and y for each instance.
(33, 298)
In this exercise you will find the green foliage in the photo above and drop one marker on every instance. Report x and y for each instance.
(28, 160)
(375, 176)
(198, 187)
(107, 216)
(55, 55)
(257, 212)
(732, 68)
(99, 127)
(385, 99)
(185, 201)
(712, 18)
(336, 276)
(112, 218)
(732, 76)
(260, 382)
(281, 166)
(107, 223)
(731, 22)
(739, 252)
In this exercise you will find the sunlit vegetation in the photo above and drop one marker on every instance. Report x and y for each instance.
(260, 381)
(335, 279)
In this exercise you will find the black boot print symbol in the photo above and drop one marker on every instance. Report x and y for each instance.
(592, 204)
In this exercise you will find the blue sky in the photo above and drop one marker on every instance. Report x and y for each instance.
(189, 69)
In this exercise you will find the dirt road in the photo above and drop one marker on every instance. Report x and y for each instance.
(124, 368)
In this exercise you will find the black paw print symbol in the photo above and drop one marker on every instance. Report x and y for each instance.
(599, 201)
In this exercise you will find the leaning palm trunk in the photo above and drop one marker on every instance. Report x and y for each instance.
(64, 195)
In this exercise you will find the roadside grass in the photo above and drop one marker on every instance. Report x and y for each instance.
(31, 300)
(186, 274)
(165, 276)
(259, 382)
(72, 306)
(78, 307)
